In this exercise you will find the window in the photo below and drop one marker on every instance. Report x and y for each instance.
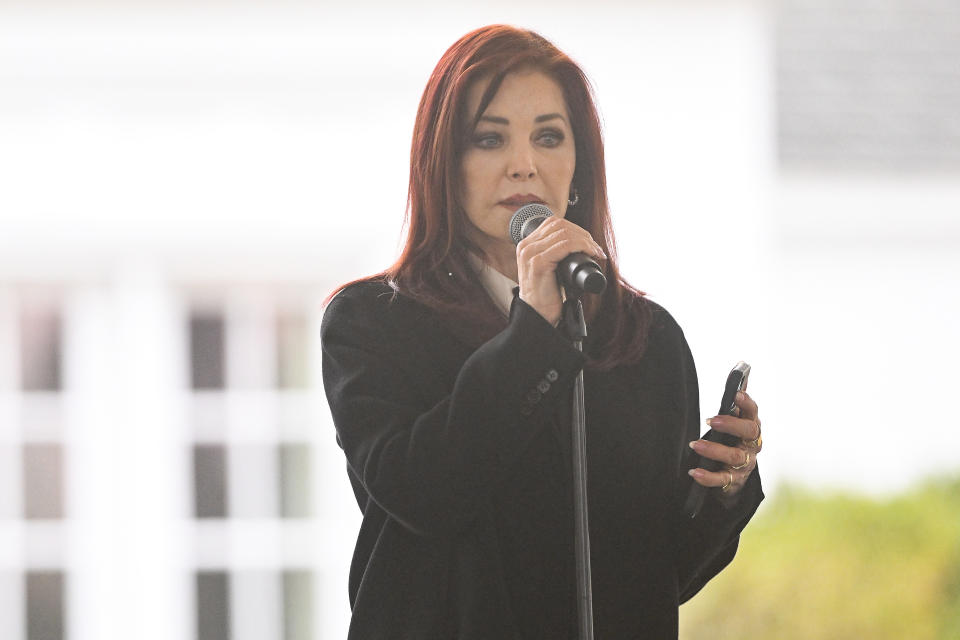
(207, 351)
(298, 599)
(213, 605)
(210, 481)
(42, 481)
(40, 347)
(252, 466)
(255, 604)
(44, 590)
(296, 499)
(293, 353)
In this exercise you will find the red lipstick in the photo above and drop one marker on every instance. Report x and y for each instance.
(518, 200)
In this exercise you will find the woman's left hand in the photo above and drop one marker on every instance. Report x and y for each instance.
(739, 460)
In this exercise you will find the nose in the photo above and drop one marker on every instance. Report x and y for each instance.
(521, 165)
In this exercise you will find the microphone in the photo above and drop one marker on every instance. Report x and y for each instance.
(578, 272)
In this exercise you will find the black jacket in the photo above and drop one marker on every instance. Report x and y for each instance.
(459, 459)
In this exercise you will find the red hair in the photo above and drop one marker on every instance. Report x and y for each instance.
(433, 267)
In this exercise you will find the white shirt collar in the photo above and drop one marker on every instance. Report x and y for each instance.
(498, 286)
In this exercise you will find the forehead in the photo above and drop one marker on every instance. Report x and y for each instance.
(522, 94)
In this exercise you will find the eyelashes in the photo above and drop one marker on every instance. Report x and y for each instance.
(548, 138)
(487, 140)
(555, 137)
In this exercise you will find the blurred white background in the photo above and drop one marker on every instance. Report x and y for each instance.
(785, 179)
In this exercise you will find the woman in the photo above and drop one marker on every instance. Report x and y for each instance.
(450, 384)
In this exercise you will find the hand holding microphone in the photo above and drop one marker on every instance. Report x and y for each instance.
(549, 249)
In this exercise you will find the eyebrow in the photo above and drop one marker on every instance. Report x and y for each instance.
(538, 119)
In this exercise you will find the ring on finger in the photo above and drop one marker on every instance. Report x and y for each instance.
(744, 463)
(757, 442)
(729, 482)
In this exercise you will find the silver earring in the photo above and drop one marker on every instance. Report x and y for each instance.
(576, 198)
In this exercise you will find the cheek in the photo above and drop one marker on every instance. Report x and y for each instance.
(472, 176)
(561, 170)
(473, 189)
(479, 179)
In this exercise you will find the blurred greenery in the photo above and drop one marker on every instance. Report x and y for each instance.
(818, 566)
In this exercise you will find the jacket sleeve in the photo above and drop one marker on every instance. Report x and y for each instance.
(430, 466)
(706, 544)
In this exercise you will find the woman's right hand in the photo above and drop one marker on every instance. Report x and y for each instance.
(538, 256)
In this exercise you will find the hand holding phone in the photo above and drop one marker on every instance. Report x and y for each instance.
(736, 381)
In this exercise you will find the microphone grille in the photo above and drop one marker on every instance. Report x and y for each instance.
(522, 215)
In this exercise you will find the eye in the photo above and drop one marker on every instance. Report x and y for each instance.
(550, 138)
(487, 140)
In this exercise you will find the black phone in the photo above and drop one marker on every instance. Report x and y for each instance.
(736, 381)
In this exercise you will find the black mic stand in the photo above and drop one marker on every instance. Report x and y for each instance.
(576, 328)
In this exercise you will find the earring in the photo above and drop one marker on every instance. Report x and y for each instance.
(575, 200)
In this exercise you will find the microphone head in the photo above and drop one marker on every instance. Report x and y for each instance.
(526, 219)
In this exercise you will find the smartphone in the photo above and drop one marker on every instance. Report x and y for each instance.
(736, 381)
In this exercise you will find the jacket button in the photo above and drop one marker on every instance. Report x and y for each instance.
(534, 397)
(543, 386)
(552, 375)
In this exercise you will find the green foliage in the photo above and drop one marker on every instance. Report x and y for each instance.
(816, 567)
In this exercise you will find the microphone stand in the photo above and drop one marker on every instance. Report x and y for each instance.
(576, 328)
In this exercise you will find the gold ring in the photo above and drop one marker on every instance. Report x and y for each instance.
(744, 463)
(757, 442)
(729, 482)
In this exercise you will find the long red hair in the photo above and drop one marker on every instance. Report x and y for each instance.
(433, 267)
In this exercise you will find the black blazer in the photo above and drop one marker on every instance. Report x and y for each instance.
(459, 459)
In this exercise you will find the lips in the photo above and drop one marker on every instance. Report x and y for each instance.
(518, 200)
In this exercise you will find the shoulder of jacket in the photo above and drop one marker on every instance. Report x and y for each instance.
(659, 315)
(371, 291)
(370, 302)
(663, 326)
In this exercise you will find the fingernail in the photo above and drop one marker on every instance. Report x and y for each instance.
(709, 422)
(740, 395)
(695, 445)
(695, 473)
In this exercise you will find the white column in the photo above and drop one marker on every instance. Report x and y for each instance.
(252, 414)
(252, 474)
(255, 602)
(95, 600)
(128, 469)
(12, 604)
(251, 348)
(11, 490)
